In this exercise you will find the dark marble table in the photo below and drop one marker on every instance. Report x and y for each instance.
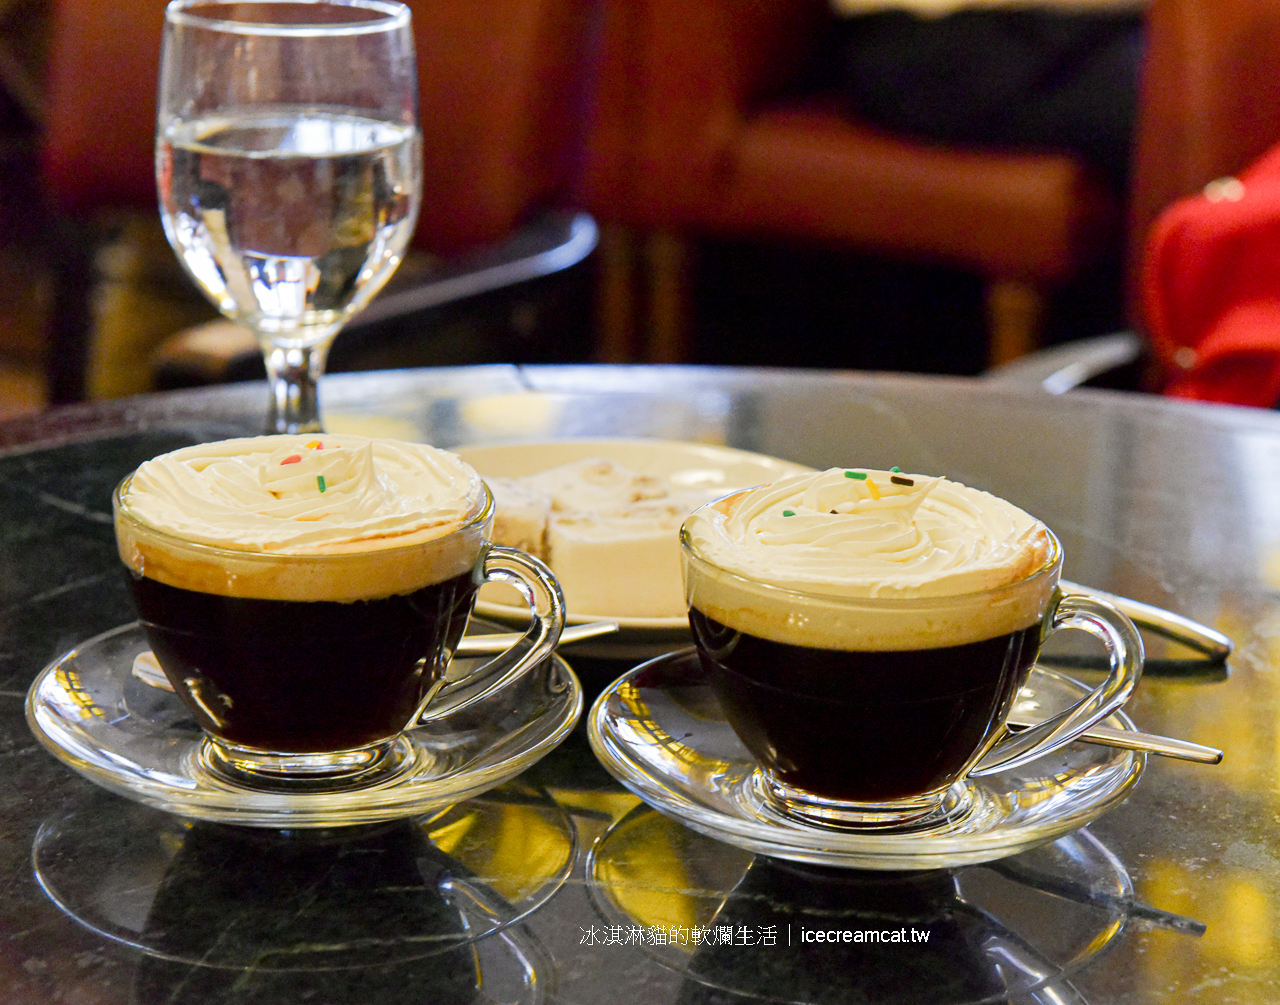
(560, 886)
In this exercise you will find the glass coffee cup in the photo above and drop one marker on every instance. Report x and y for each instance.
(305, 662)
(867, 695)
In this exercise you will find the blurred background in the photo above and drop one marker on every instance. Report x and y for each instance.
(24, 277)
(739, 207)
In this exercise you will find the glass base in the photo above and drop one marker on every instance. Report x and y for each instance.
(331, 771)
(660, 730)
(789, 804)
(139, 741)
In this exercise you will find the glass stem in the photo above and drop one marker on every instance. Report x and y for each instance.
(294, 376)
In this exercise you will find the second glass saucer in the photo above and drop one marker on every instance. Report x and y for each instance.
(660, 732)
(239, 898)
(93, 714)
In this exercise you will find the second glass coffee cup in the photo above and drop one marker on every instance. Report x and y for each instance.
(305, 669)
(869, 712)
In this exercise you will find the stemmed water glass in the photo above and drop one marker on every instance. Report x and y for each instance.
(288, 159)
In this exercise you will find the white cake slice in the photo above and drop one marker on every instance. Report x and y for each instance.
(610, 534)
(520, 515)
(619, 565)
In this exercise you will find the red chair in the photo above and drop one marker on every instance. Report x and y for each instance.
(1208, 109)
(502, 88)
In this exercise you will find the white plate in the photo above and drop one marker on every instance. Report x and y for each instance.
(691, 465)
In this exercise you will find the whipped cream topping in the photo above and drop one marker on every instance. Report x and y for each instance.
(297, 494)
(863, 533)
(303, 517)
(936, 562)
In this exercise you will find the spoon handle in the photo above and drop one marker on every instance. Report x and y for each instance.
(1201, 638)
(1128, 739)
(470, 645)
(147, 669)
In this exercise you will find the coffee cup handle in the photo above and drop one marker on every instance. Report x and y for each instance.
(540, 590)
(1124, 647)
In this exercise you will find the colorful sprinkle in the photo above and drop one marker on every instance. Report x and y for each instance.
(875, 490)
(860, 475)
(788, 512)
(900, 480)
(320, 482)
(315, 445)
(895, 468)
(291, 459)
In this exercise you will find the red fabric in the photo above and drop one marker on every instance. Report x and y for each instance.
(1211, 285)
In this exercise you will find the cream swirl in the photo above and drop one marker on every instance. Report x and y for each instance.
(867, 533)
(305, 494)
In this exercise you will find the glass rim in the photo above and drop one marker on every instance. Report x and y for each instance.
(1051, 566)
(391, 16)
(121, 511)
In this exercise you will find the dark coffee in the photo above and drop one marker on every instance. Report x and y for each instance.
(863, 726)
(303, 676)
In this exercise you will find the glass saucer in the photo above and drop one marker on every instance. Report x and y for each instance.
(659, 731)
(731, 921)
(376, 895)
(93, 714)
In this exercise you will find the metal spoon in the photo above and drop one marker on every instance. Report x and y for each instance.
(1201, 638)
(1128, 739)
(476, 644)
(147, 669)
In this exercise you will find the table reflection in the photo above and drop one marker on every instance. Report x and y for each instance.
(1010, 928)
(263, 900)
